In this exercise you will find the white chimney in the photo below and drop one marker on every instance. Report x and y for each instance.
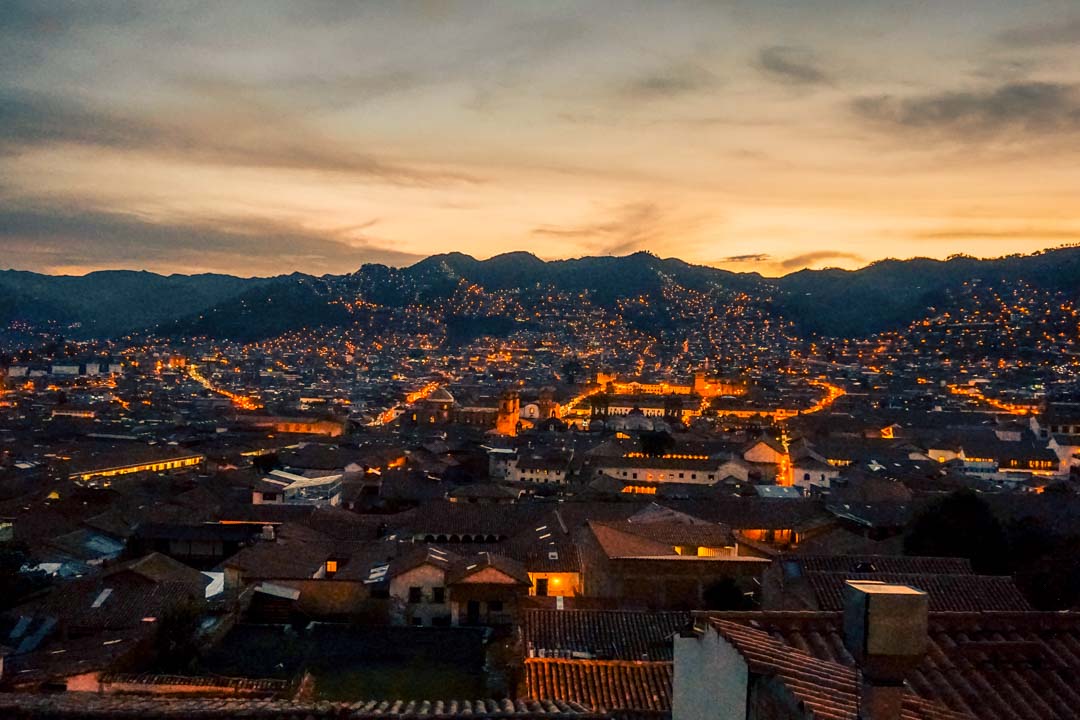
(885, 630)
(267, 533)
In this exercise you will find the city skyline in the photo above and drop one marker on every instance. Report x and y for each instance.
(265, 139)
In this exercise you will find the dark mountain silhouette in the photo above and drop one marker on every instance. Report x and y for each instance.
(112, 302)
(884, 295)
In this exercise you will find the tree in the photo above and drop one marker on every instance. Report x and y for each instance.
(656, 443)
(17, 584)
(1046, 564)
(571, 369)
(266, 463)
(177, 645)
(725, 594)
(961, 525)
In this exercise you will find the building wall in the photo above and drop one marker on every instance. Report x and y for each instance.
(659, 584)
(330, 598)
(150, 466)
(497, 603)
(86, 682)
(677, 584)
(819, 478)
(426, 612)
(644, 473)
(762, 453)
(1067, 454)
(517, 474)
(706, 476)
(564, 584)
(710, 681)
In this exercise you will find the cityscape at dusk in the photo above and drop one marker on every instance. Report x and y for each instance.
(598, 360)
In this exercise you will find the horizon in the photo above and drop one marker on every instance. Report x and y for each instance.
(954, 256)
(259, 137)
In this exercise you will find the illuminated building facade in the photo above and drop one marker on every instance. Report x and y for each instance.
(159, 465)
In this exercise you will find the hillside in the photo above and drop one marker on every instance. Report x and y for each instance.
(112, 302)
(886, 295)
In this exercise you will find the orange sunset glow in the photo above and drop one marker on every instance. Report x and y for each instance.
(254, 138)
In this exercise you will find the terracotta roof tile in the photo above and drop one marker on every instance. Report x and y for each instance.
(609, 634)
(884, 564)
(947, 593)
(92, 705)
(607, 685)
(825, 689)
(991, 665)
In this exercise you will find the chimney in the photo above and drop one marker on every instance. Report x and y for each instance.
(885, 630)
(267, 533)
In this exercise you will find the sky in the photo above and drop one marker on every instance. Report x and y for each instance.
(258, 137)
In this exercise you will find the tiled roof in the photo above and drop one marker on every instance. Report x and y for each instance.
(543, 548)
(618, 544)
(991, 665)
(440, 517)
(885, 564)
(955, 593)
(297, 553)
(823, 689)
(610, 685)
(158, 568)
(679, 533)
(108, 603)
(537, 462)
(422, 555)
(61, 658)
(608, 634)
(93, 705)
(470, 565)
(262, 686)
(757, 513)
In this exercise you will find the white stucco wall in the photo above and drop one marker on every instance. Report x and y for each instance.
(711, 679)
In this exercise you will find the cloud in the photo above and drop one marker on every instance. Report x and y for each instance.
(1025, 107)
(791, 65)
(1063, 234)
(670, 82)
(630, 227)
(46, 238)
(752, 258)
(1058, 33)
(235, 137)
(799, 262)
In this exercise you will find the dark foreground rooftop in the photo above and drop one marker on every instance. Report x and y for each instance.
(71, 706)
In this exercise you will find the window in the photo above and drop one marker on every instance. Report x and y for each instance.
(331, 566)
(418, 621)
(438, 595)
(495, 606)
(416, 594)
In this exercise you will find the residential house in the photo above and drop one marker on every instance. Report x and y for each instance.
(988, 665)
(658, 563)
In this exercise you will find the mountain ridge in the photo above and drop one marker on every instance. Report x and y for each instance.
(882, 295)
